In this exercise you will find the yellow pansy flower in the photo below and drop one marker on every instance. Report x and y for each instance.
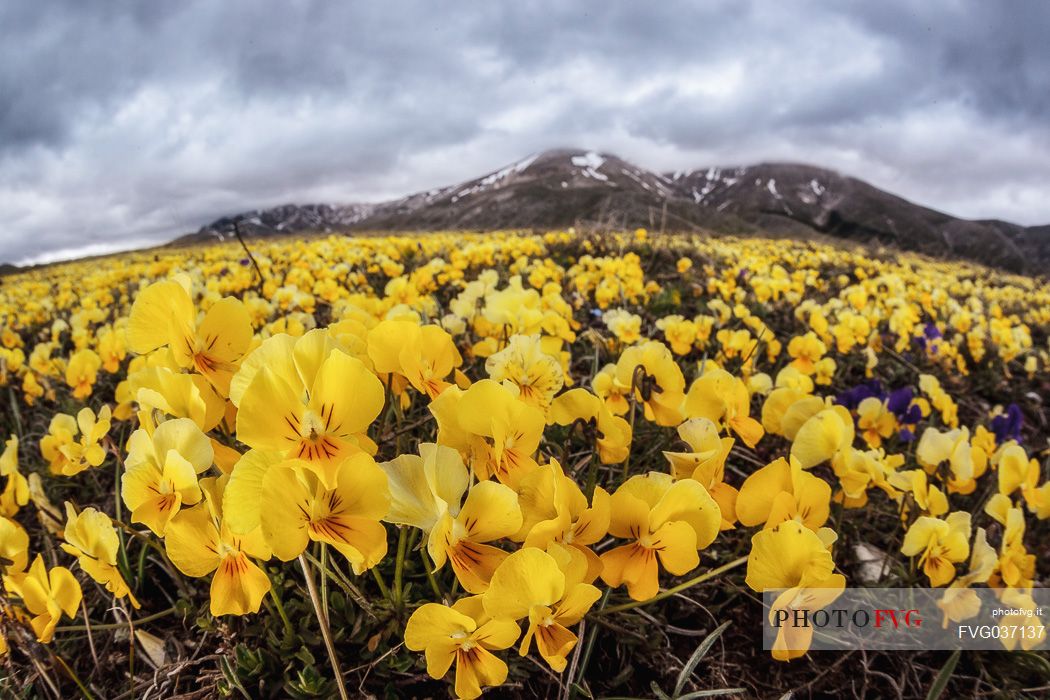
(796, 561)
(296, 506)
(531, 584)
(423, 355)
(163, 315)
(495, 431)
(667, 523)
(657, 380)
(609, 390)
(611, 434)
(449, 637)
(822, 435)
(536, 375)
(940, 544)
(15, 493)
(91, 538)
(198, 542)
(82, 371)
(161, 471)
(787, 556)
(723, 399)
(68, 456)
(781, 491)
(490, 512)
(706, 463)
(14, 546)
(555, 510)
(875, 421)
(46, 596)
(311, 402)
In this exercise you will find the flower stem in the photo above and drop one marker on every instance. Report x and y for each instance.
(430, 574)
(381, 583)
(399, 566)
(324, 579)
(115, 625)
(280, 608)
(706, 576)
(326, 633)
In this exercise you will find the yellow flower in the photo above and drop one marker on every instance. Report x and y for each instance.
(495, 431)
(67, 456)
(806, 350)
(531, 584)
(16, 488)
(424, 356)
(1015, 470)
(523, 363)
(14, 546)
(449, 636)
(46, 595)
(611, 434)
(783, 491)
(940, 544)
(657, 380)
(198, 542)
(875, 421)
(489, 513)
(666, 521)
(163, 315)
(822, 435)
(112, 347)
(162, 392)
(92, 539)
(1016, 565)
(162, 471)
(706, 464)
(296, 506)
(824, 371)
(722, 398)
(793, 640)
(794, 560)
(609, 390)
(627, 327)
(82, 371)
(857, 471)
(555, 511)
(788, 556)
(310, 401)
(425, 488)
(966, 463)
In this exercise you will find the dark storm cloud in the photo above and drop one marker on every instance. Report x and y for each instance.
(124, 123)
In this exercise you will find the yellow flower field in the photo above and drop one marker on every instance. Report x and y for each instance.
(558, 464)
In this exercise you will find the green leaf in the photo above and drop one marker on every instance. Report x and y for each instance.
(945, 675)
(701, 650)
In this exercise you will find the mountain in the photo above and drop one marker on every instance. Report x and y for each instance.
(569, 187)
(287, 218)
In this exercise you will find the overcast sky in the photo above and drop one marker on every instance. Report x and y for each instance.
(128, 123)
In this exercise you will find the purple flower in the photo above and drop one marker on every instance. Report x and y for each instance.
(1007, 426)
(851, 398)
(906, 435)
(899, 401)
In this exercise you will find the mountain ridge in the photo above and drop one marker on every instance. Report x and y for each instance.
(565, 187)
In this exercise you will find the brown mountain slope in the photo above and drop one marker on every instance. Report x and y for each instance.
(567, 187)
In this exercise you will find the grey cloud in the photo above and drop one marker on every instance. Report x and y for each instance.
(127, 122)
